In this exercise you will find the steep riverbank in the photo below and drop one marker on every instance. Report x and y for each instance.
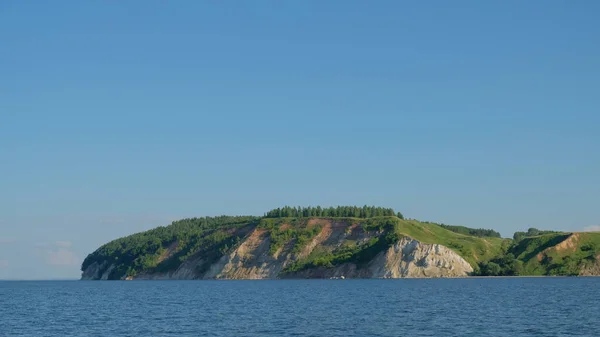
(379, 246)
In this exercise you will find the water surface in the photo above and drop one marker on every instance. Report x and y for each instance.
(405, 307)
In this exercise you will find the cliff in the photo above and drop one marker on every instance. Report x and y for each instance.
(555, 253)
(326, 246)
(264, 248)
(252, 260)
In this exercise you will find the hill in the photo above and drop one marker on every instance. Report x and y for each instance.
(294, 242)
(548, 254)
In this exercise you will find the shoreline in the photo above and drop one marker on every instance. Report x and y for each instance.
(378, 278)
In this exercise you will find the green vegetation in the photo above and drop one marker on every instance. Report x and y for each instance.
(332, 212)
(471, 248)
(480, 232)
(368, 231)
(518, 236)
(295, 230)
(351, 252)
(142, 251)
(552, 253)
(504, 265)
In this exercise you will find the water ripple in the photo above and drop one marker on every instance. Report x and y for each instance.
(434, 307)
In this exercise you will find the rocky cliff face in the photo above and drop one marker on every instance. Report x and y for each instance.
(253, 259)
(407, 258)
(98, 271)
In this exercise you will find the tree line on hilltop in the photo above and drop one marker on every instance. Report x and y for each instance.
(518, 236)
(333, 212)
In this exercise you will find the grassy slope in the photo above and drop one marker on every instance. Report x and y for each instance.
(298, 232)
(478, 249)
(472, 249)
(539, 255)
(141, 252)
(542, 256)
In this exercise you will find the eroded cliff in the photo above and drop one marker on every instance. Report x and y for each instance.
(348, 241)
(324, 248)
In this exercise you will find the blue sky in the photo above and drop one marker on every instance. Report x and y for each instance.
(117, 117)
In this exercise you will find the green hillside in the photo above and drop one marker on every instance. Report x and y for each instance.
(142, 252)
(166, 248)
(548, 254)
(472, 248)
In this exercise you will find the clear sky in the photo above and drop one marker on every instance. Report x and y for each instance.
(116, 117)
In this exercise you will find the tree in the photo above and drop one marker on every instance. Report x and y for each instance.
(516, 268)
(339, 211)
(518, 236)
(493, 269)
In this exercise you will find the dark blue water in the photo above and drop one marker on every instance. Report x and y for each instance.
(432, 307)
